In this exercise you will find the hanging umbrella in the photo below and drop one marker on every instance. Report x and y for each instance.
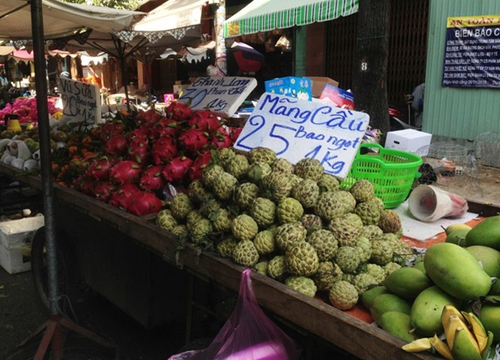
(247, 58)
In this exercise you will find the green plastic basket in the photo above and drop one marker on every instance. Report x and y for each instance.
(391, 172)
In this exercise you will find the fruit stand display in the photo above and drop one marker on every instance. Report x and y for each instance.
(174, 185)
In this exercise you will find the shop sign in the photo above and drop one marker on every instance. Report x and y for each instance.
(297, 129)
(81, 101)
(222, 95)
(472, 52)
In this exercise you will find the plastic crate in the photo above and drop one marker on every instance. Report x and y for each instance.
(391, 172)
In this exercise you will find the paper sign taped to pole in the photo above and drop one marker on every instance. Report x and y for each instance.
(297, 129)
(222, 95)
(81, 102)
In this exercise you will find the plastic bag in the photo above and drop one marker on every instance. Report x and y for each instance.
(248, 334)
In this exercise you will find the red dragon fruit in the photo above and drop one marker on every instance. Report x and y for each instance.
(142, 133)
(151, 178)
(99, 169)
(125, 171)
(222, 138)
(205, 120)
(235, 133)
(178, 110)
(147, 116)
(177, 169)
(163, 150)
(116, 145)
(143, 203)
(193, 140)
(103, 190)
(84, 184)
(122, 196)
(166, 127)
(199, 164)
(138, 151)
(110, 129)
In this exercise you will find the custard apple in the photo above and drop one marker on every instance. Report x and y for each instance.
(324, 242)
(245, 194)
(199, 234)
(245, 253)
(264, 242)
(198, 193)
(302, 259)
(221, 220)
(210, 173)
(261, 154)
(328, 273)
(263, 211)
(328, 182)
(343, 295)
(369, 212)
(347, 258)
(257, 171)
(308, 168)
(302, 284)
(282, 165)
(362, 282)
(166, 220)
(307, 192)
(276, 268)
(332, 204)
(362, 190)
(237, 166)
(346, 229)
(311, 221)
(276, 186)
(224, 185)
(389, 221)
(289, 210)
(180, 206)
(225, 155)
(289, 234)
(226, 247)
(244, 227)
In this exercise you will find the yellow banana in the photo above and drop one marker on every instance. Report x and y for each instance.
(453, 322)
(418, 345)
(478, 330)
(465, 346)
(441, 347)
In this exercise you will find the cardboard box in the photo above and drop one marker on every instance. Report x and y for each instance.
(16, 236)
(318, 84)
(408, 140)
(297, 87)
(342, 98)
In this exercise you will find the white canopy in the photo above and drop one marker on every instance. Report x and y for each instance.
(61, 19)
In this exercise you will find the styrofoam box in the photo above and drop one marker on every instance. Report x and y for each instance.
(408, 140)
(14, 235)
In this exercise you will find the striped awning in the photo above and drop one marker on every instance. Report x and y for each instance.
(267, 15)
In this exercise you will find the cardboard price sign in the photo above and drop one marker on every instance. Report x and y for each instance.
(81, 101)
(222, 95)
(296, 129)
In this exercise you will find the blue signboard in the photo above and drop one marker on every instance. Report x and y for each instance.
(472, 52)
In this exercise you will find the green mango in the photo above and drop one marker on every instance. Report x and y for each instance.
(388, 302)
(463, 348)
(489, 258)
(458, 237)
(370, 294)
(397, 324)
(456, 271)
(486, 233)
(407, 282)
(425, 314)
(495, 288)
(420, 266)
(490, 316)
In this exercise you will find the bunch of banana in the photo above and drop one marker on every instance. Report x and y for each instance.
(466, 338)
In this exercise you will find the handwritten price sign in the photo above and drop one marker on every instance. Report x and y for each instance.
(81, 101)
(297, 129)
(222, 95)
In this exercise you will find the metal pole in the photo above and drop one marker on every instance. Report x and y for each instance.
(45, 151)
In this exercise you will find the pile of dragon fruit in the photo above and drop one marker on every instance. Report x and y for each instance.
(135, 166)
(26, 110)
